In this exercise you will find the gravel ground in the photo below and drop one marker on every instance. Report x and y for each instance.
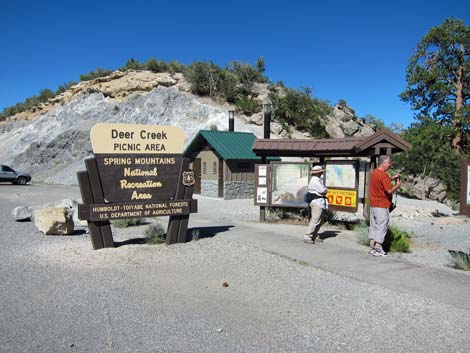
(434, 229)
(58, 295)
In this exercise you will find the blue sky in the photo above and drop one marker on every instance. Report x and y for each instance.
(352, 50)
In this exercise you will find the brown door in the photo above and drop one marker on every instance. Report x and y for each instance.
(197, 175)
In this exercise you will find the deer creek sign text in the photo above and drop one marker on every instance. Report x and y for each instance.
(138, 162)
(147, 136)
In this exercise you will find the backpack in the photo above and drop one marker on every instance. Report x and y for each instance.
(308, 197)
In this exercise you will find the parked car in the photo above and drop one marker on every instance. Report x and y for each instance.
(8, 174)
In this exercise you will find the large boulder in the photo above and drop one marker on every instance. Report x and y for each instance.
(22, 213)
(54, 220)
(71, 205)
(343, 122)
(424, 188)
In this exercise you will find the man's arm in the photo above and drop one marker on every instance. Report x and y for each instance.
(396, 186)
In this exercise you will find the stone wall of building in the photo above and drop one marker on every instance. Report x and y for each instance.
(239, 190)
(210, 188)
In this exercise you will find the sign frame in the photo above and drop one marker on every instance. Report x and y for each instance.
(343, 192)
(302, 203)
(465, 187)
(262, 195)
(153, 194)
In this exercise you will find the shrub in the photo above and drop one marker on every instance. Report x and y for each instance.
(329, 217)
(156, 66)
(133, 64)
(396, 241)
(297, 108)
(291, 215)
(274, 214)
(29, 103)
(229, 86)
(247, 74)
(174, 66)
(127, 222)
(454, 205)
(362, 238)
(248, 104)
(45, 94)
(205, 78)
(95, 74)
(65, 87)
(460, 259)
(155, 234)
(260, 65)
(362, 233)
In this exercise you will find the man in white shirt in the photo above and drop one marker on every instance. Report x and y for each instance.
(318, 205)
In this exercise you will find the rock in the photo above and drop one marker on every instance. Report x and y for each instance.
(22, 213)
(69, 203)
(72, 205)
(343, 122)
(52, 140)
(424, 188)
(53, 145)
(54, 220)
(255, 119)
(261, 91)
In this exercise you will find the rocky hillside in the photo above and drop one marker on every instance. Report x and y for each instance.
(51, 140)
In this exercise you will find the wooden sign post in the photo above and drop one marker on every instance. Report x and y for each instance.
(137, 171)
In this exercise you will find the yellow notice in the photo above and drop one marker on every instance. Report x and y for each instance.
(346, 198)
(136, 139)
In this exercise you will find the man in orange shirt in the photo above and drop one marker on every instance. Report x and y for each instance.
(380, 195)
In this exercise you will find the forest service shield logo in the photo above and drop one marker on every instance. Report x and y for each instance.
(188, 178)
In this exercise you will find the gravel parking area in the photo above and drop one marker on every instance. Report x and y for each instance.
(58, 295)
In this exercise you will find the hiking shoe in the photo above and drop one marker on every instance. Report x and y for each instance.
(372, 251)
(380, 252)
(309, 241)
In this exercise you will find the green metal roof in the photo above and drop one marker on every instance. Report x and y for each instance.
(227, 144)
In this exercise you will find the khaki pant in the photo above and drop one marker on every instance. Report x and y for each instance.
(315, 222)
(379, 218)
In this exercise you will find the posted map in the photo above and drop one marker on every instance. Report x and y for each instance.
(341, 174)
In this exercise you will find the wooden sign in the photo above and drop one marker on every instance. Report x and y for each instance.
(465, 187)
(137, 171)
(342, 198)
(101, 212)
(262, 184)
(342, 180)
(136, 139)
(137, 162)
